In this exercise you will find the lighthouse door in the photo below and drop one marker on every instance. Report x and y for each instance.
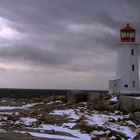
(114, 86)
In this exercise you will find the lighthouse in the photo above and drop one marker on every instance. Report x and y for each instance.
(127, 75)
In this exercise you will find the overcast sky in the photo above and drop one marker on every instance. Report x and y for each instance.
(62, 44)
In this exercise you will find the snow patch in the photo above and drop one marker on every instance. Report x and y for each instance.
(114, 99)
(136, 97)
(3, 101)
(53, 102)
(28, 121)
(14, 107)
(70, 113)
(42, 135)
(6, 113)
(75, 133)
(98, 132)
(69, 125)
(123, 129)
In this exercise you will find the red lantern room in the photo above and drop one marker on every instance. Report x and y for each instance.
(127, 34)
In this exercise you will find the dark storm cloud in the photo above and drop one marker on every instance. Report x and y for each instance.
(71, 42)
(38, 56)
(57, 32)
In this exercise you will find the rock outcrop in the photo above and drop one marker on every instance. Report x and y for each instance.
(129, 103)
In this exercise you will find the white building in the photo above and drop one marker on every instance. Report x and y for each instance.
(127, 75)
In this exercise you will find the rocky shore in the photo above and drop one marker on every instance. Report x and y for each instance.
(72, 117)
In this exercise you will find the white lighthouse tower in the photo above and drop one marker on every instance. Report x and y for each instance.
(127, 75)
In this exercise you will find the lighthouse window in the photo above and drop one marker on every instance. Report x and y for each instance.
(133, 83)
(132, 52)
(123, 34)
(127, 34)
(125, 85)
(133, 67)
(131, 34)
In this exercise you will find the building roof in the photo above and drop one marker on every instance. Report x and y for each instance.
(127, 28)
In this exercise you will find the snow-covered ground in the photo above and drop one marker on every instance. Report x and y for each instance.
(105, 120)
(115, 121)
